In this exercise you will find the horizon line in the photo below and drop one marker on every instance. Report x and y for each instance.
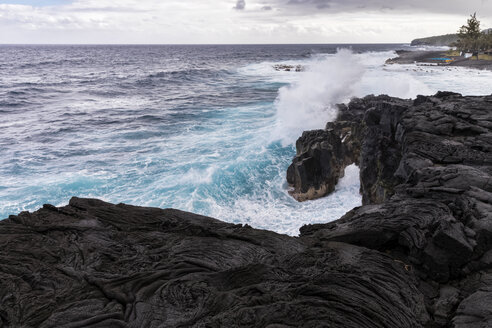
(193, 44)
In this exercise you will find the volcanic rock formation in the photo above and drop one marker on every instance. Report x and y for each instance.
(94, 264)
(417, 254)
(425, 172)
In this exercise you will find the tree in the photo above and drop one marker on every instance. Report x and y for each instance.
(487, 35)
(471, 39)
(472, 29)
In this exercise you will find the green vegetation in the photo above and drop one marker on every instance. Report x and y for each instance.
(452, 53)
(472, 29)
(440, 40)
(472, 39)
(468, 39)
(483, 57)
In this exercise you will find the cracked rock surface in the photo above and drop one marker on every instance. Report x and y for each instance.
(417, 254)
(425, 171)
(94, 264)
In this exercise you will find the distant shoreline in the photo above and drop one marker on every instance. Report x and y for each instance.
(425, 57)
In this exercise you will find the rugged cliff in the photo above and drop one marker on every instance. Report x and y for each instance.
(425, 171)
(417, 254)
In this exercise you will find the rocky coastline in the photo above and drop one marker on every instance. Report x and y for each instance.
(418, 253)
(425, 170)
(424, 57)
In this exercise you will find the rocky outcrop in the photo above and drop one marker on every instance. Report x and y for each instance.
(94, 264)
(364, 134)
(417, 254)
(426, 183)
(288, 68)
(322, 156)
(423, 59)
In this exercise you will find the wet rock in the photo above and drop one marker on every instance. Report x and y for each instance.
(364, 134)
(323, 155)
(288, 68)
(321, 161)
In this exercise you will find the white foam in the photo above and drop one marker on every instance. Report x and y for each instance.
(196, 176)
(267, 71)
(309, 103)
(227, 167)
(310, 100)
(427, 48)
(467, 81)
(285, 215)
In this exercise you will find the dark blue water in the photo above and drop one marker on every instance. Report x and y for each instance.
(189, 127)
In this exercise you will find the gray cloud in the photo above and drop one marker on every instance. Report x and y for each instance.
(240, 5)
(111, 9)
(319, 4)
(306, 7)
(263, 21)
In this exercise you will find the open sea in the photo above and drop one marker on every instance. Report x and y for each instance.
(207, 129)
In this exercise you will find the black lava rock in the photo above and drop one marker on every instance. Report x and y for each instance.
(417, 254)
(425, 171)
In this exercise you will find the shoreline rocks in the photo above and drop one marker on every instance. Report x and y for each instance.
(418, 253)
(322, 156)
(424, 58)
(364, 135)
(426, 169)
(288, 68)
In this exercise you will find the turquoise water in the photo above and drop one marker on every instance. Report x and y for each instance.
(207, 129)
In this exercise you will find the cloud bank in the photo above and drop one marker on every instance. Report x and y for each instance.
(484, 7)
(233, 21)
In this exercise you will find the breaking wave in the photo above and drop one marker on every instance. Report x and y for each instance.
(207, 129)
(328, 80)
(310, 102)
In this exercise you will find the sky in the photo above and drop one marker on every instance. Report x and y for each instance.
(233, 21)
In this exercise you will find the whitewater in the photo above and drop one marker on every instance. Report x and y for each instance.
(208, 129)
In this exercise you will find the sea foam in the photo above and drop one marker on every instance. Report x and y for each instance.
(216, 142)
(310, 102)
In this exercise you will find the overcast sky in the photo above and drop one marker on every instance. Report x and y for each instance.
(233, 21)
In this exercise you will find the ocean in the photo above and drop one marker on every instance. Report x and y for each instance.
(209, 129)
